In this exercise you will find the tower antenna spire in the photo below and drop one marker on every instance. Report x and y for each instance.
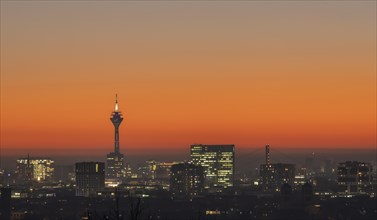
(116, 102)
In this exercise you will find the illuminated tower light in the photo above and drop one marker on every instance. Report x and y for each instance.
(116, 102)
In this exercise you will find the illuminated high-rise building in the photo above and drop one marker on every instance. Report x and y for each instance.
(90, 178)
(35, 169)
(115, 160)
(218, 164)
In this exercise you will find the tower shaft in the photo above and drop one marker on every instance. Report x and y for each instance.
(116, 143)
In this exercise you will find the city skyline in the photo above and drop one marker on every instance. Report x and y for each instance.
(257, 76)
(143, 110)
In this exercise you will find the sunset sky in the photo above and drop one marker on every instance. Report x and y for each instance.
(287, 73)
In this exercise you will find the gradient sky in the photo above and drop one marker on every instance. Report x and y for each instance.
(290, 74)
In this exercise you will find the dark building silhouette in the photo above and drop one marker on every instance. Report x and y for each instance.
(5, 207)
(307, 192)
(286, 190)
(2, 177)
(115, 160)
(163, 170)
(62, 173)
(273, 176)
(186, 180)
(312, 165)
(354, 177)
(90, 177)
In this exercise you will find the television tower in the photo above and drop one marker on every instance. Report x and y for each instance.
(115, 160)
(116, 119)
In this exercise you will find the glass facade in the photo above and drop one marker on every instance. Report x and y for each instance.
(37, 169)
(218, 164)
(90, 177)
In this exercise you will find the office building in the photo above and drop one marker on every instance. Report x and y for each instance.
(153, 172)
(151, 169)
(218, 164)
(163, 170)
(186, 180)
(274, 176)
(35, 169)
(156, 170)
(162, 174)
(127, 171)
(115, 160)
(90, 177)
(355, 177)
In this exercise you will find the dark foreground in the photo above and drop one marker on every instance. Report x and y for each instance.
(294, 206)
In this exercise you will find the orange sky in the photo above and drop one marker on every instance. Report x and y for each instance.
(291, 74)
